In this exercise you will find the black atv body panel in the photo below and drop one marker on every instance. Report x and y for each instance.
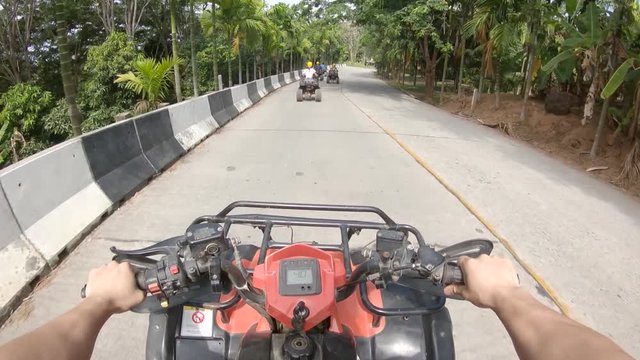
(418, 337)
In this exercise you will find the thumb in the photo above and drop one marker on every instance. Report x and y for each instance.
(455, 291)
(451, 290)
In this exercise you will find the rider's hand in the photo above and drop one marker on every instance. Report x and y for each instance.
(114, 286)
(488, 280)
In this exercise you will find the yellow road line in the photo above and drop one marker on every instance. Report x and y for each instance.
(553, 295)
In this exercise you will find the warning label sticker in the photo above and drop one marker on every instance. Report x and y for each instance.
(196, 322)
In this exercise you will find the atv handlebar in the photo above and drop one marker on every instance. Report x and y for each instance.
(201, 262)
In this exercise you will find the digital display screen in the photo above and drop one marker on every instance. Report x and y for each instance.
(203, 232)
(300, 276)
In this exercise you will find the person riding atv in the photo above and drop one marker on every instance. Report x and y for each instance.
(309, 84)
(321, 69)
(332, 75)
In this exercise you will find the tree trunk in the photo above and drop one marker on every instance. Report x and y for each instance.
(255, 68)
(529, 76)
(415, 67)
(525, 63)
(230, 84)
(404, 64)
(444, 76)
(194, 61)
(429, 68)
(291, 59)
(636, 114)
(239, 65)
(246, 71)
(215, 44)
(481, 82)
(496, 89)
(601, 122)
(461, 70)
(591, 96)
(174, 50)
(66, 70)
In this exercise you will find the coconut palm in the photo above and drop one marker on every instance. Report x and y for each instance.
(151, 80)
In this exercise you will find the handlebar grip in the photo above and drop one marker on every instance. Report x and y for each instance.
(141, 282)
(452, 274)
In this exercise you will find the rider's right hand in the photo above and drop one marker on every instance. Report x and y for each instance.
(488, 281)
(113, 287)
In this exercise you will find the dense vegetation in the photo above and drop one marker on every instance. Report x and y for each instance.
(71, 66)
(533, 47)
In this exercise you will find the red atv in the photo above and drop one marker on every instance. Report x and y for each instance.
(211, 298)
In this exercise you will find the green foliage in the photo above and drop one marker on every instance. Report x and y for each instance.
(104, 62)
(101, 117)
(150, 80)
(561, 57)
(24, 106)
(56, 122)
(617, 78)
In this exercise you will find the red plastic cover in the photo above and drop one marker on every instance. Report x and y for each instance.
(321, 306)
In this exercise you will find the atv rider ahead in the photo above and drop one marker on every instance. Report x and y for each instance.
(310, 72)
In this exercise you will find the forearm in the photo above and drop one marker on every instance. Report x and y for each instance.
(70, 336)
(540, 333)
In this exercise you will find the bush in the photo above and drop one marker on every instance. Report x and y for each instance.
(23, 106)
(104, 62)
(57, 122)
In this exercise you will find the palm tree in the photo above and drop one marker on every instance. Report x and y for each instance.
(174, 49)
(243, 21)
(194, 63)
(210, 26)
(489, 15)
(66, 69)
(150, 80)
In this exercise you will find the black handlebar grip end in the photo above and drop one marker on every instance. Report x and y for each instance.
(141, 280)
(452, 274)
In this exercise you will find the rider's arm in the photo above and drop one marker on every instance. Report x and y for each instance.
(111, 289)
(537, 332)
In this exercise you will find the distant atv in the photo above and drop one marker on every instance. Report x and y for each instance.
(308, 88)
(332, 76)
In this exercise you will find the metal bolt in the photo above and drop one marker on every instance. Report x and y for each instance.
(192, 270)
(429, 267)
(189, 233)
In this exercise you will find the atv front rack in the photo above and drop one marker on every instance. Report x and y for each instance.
(348, 228)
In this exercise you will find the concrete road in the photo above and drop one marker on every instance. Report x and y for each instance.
(576, 233)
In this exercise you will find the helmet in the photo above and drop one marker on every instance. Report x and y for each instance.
(309, 64)
(317, 62)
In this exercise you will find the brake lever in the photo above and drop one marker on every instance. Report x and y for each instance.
(166, 247)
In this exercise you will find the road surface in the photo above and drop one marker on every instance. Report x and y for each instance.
(367, 143)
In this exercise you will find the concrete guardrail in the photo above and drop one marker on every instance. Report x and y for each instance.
(51, 200)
